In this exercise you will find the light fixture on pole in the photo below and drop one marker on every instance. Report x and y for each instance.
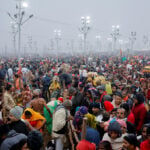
(18, 19)
(85, 28)
(132, 39)
(57, 34)
(98, 42)
(115, 34)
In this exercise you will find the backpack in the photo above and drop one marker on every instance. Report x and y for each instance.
(64, 129)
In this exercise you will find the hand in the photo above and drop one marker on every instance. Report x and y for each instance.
(70, 118)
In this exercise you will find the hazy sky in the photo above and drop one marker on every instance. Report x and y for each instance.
(131, 15)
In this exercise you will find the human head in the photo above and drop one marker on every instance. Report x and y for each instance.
(148, 133)
(118, 98)
(126, 107)
(130, 141)
(114, 130)
(138, 98)
(144, 131)
(114, 112)
(28, 114)
(120, 113)
(67, 104)
(15, 113)
(101, 89)
(35, 140)
(72, 91)
(114, 88)
(96, 108)
(104, 145)
(123, 125)
(8, 87)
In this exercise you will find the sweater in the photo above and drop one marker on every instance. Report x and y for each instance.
(139, 112)
(145, 145)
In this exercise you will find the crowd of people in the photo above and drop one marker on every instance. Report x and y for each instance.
(75, 103)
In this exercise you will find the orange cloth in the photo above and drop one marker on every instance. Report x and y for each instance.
(19, 84)
(36, 120)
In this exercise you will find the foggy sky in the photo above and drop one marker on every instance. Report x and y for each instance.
(131, 15)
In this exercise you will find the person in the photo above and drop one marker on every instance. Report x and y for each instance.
(77, 99)
(11, 139)
(35, 119)
(130, 142)
(121, 114)
(143, 135)
(117, 101)
(114, 135)
(15, 122)
(61, 117)
(139, 111)
(85, 145)
(145, 145)
(38, 104)
(104, 145)
(35, 140)
(7, 102)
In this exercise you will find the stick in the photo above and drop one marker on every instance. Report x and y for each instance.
(84, 128)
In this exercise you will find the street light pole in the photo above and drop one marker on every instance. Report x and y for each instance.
(115, 33)
(84, 29)
(57, 38)
(132, 39)
(18, 19)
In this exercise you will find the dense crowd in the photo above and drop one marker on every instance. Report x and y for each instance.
(75, 103)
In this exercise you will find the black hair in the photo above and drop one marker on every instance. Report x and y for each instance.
(8, 87)
(35, 140)
(19, 145)
(28, 113)
(106, 144)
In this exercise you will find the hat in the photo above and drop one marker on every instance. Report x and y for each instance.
(122, 123)
(107, 97)
(67, 103)
(102, 87)
(16, 112)
(118, 94)
(96, 105)
(83, 110)
(108, 106)
(115, 126)
(83, 145)
(61, 99)
(131, 138)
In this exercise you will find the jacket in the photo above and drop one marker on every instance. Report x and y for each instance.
(139, 112)
(12, 139)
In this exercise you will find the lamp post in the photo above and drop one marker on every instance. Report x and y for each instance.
(18, 19)
(14, 33)
(132, 39)
(57, 34)
(98, 42)
(84, 29)
(115, 34)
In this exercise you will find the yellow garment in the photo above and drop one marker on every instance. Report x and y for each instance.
(108, 88)
(35, 117)
(91, 120)
(98, 79)
(55, 85)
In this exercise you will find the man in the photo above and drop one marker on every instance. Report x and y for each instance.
(61, 117)
(121, 114)
(76, 98)
(38, 104)
(7, 102)
(15, 122)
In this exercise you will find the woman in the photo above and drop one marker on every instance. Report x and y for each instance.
(130, 142)
(34, 118)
